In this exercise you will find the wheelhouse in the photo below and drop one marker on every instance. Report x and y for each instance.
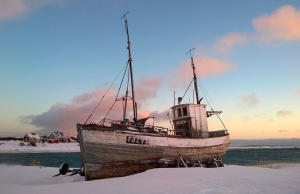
(190, 120)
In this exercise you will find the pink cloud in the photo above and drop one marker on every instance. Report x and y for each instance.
(212, 66)
(228, 42)
(283, 24)
(12, 8)
(250, 100)
(143, 114)
(15, 8)
(205, 67)
(158, 116)
(147, 88)
(64, 116)
(297, 93)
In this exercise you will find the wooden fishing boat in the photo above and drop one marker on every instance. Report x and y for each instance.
(115, 148)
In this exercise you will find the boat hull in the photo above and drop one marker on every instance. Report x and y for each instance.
(108, 153)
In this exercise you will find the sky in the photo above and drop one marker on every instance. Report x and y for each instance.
(59, 58)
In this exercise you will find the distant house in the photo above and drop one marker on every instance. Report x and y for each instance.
(59, 137)
(53, 141)
(67, 138)
(56, 135)
(29, 136)
(43, 138)
(64, 139)
(72, 138)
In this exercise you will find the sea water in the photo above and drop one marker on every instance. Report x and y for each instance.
(246, 156)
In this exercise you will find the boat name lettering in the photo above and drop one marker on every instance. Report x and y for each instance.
(136, 140)
(180, 122)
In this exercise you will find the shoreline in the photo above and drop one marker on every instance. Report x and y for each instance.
(12, 146)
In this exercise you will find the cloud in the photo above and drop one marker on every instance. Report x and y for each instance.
(10, 9)
(147, 88)
(297, 93)
(259, 115)
(282, 131)
(64, 116)
(205, 67)
(226, 43)
(269, 120)
(283, 24)
(212, 66)
(247, 119)
(283, 113)
(160, 116)
(144, 114)
(250, 100)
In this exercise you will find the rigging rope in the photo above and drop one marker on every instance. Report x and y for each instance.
(121, 82)
(184, 71)
(187, 88)
(126, 64)
(204, 92)
(117, 94)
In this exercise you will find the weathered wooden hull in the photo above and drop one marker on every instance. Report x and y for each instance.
(108, 153)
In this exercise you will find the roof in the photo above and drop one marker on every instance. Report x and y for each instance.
(57, 133)
(32, 135)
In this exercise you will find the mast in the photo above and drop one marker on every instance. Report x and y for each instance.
(195, 77)
(130, 70)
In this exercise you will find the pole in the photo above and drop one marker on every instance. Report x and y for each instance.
(131, 70)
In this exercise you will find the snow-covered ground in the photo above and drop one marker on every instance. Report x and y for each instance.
(14, 147)
(229, 179)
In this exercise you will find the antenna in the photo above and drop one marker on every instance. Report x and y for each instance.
(124, 15)
(195, 77)
(190, 51)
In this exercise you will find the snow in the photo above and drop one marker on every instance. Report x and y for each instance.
(229, 179)
(33, 135)
(14, 147)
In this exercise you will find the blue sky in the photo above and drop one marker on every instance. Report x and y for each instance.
(59, 57)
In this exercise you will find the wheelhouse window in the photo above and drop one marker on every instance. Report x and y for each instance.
(179, 114)
(184, 111)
